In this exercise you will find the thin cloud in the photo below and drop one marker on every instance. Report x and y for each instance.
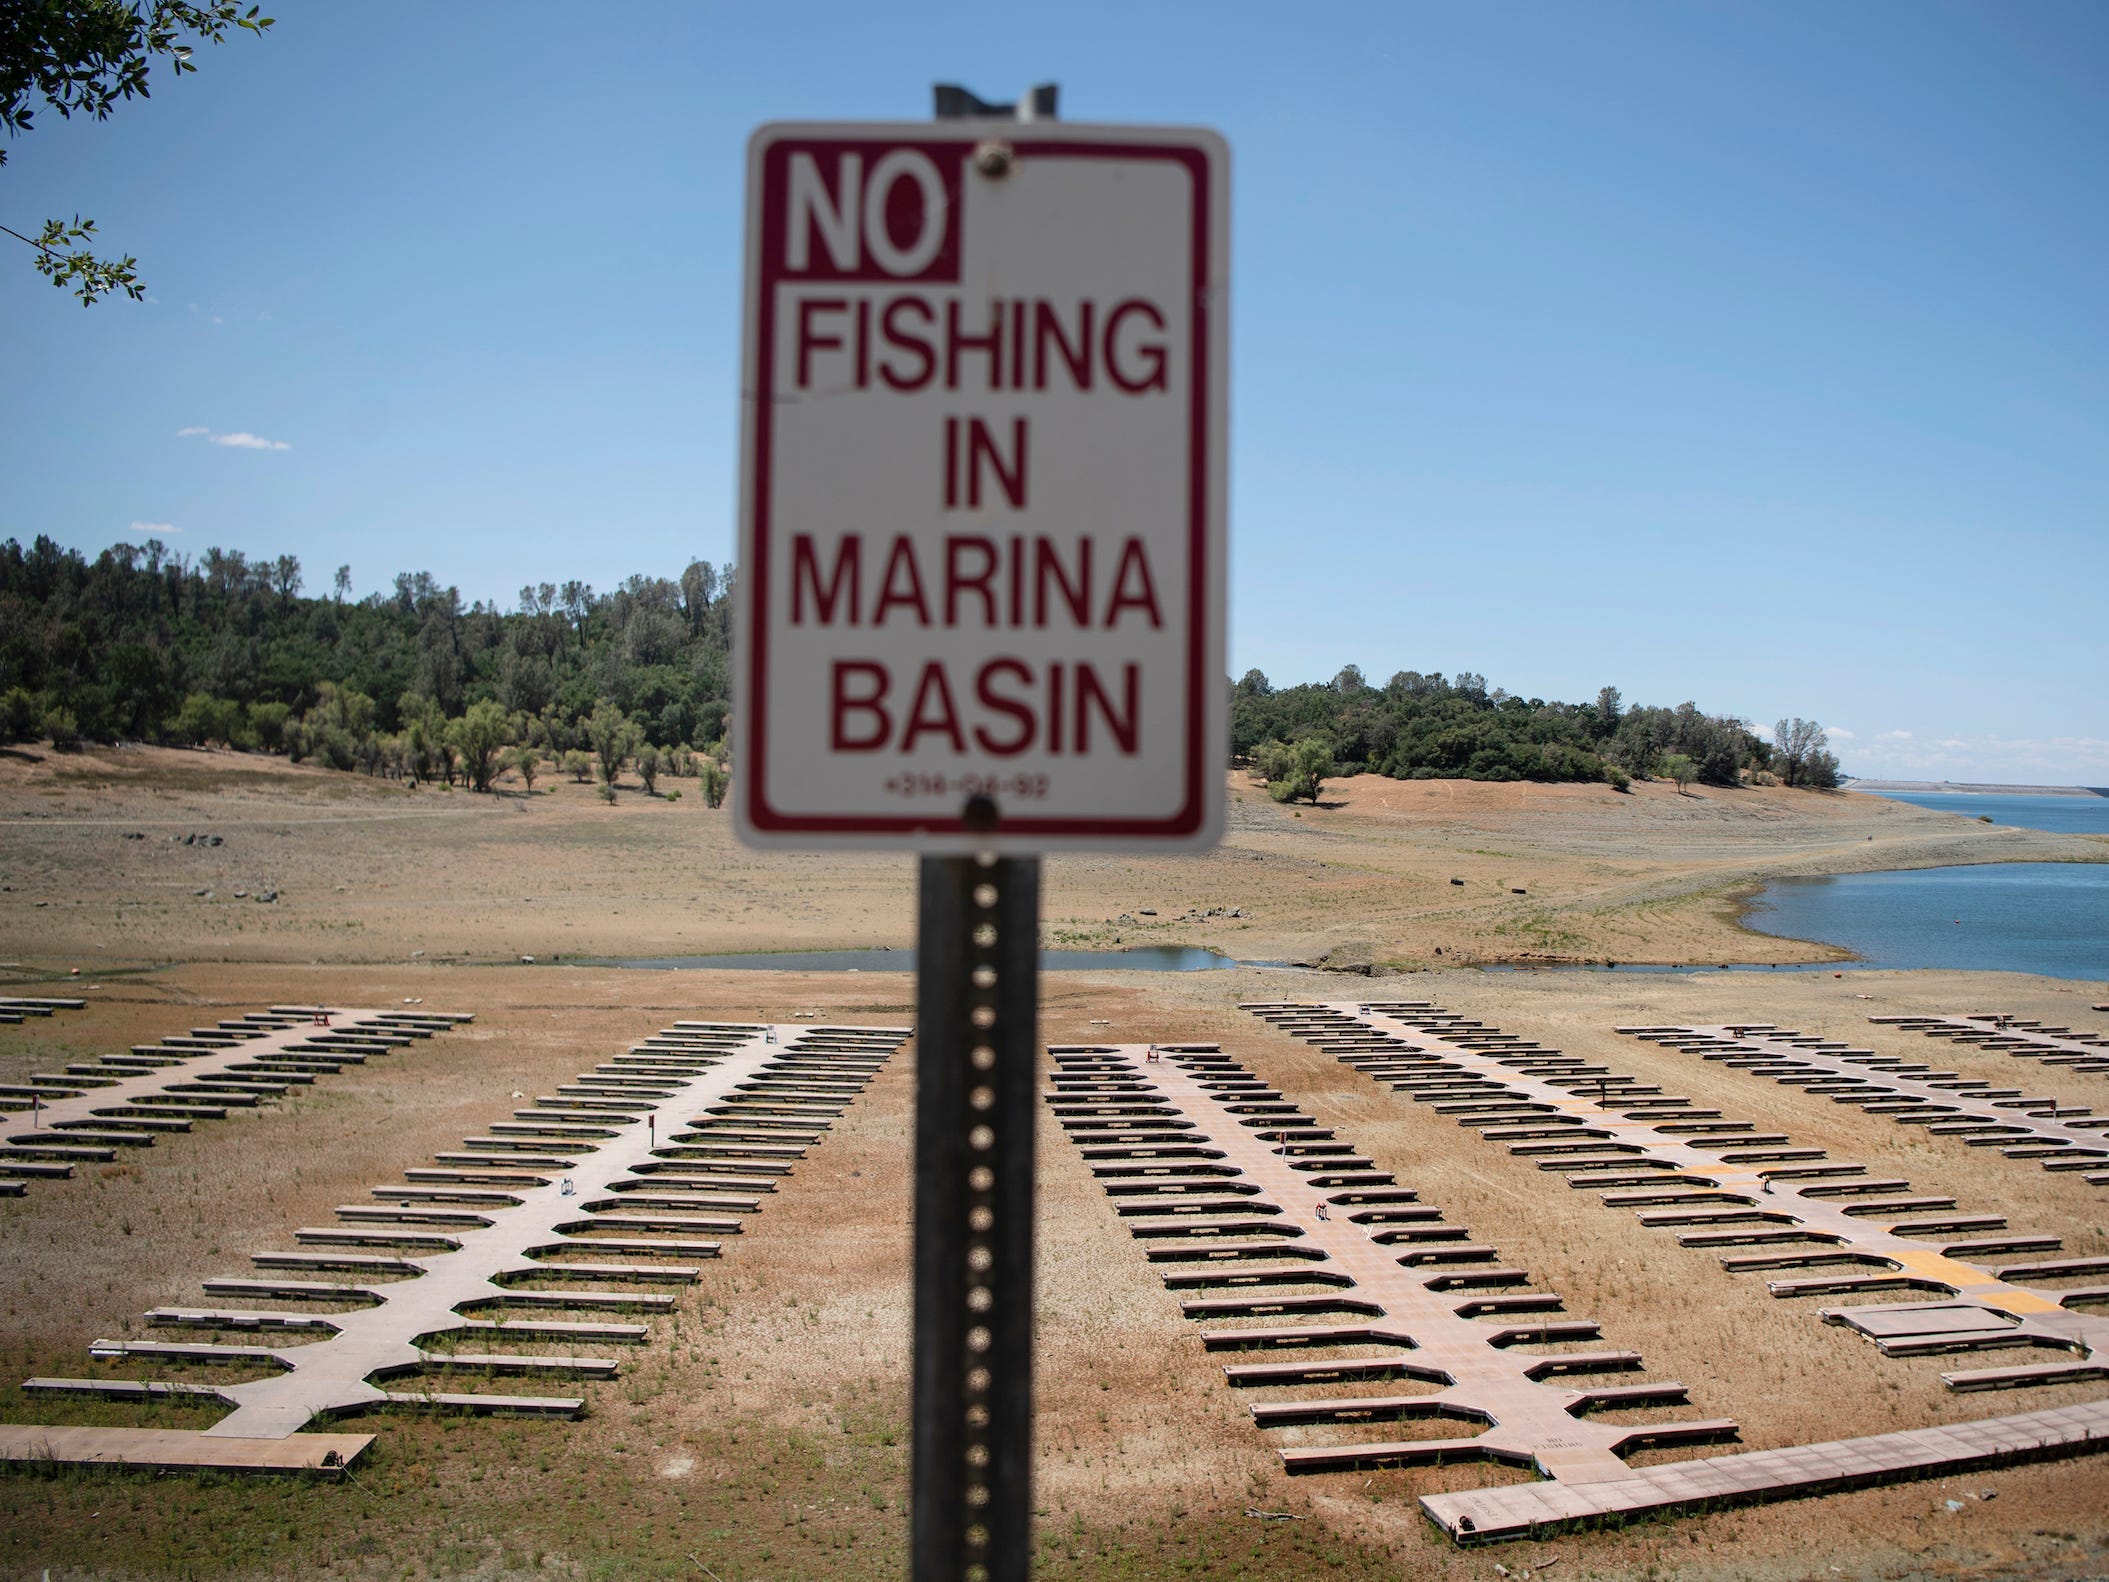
(155, 529)
(2059, 760)
(1894, 736)
(1840, 732)
(241, 439)
(2090, 752)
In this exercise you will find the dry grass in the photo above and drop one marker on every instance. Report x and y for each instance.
(763, 1428)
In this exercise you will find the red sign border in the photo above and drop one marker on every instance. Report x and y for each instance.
(1192, 820)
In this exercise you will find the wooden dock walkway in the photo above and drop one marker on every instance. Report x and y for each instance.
(454, 1260)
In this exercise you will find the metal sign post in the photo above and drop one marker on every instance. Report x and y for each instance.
(982, 601)
(977, 1020)
(977, 1010)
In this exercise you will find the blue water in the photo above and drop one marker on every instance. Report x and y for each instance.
(2067, 815)
(2050, 918)
(1144, 958)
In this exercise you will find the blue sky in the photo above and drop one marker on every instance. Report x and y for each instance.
(1756, 355)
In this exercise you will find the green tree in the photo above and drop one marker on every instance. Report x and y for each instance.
(84, 57)
(204, 718)
(284, 575)
(1680, 768)
(63, 730)
(1801, 753)
(342, 708)
(267, 723)
(528, 760)
(717, 780)
(372, 751)
(335, 726)
(18, 715)
(1270, 760)
(613, 738)
(425, 752)
(480, 738)
(1295, 771)
(1607, 702)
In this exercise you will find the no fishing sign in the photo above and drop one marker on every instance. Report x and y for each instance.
(983, 487)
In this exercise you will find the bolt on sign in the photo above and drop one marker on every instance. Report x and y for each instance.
(983, 487)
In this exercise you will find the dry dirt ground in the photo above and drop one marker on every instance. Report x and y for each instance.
(100, 868)
(761, 1432)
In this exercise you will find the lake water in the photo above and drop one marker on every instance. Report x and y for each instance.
(2043, 917)
(1144, 958)
(2067, 815)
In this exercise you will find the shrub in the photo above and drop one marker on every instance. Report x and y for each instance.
(1618, 778)
(267, 723)
(717, 780)
(336, 747)
(204, 718)
(59, 725)
(1270, 760)
(18, 714)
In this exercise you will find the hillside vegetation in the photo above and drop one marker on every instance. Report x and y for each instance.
(145, 644)
(1422, 727)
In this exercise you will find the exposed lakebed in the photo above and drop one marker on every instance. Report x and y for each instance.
(2046, 918)
(1143, 958)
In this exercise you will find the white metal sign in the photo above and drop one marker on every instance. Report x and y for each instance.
(982, 491)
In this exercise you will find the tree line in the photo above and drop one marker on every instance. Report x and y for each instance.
(1423, 727)
(143, 643)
